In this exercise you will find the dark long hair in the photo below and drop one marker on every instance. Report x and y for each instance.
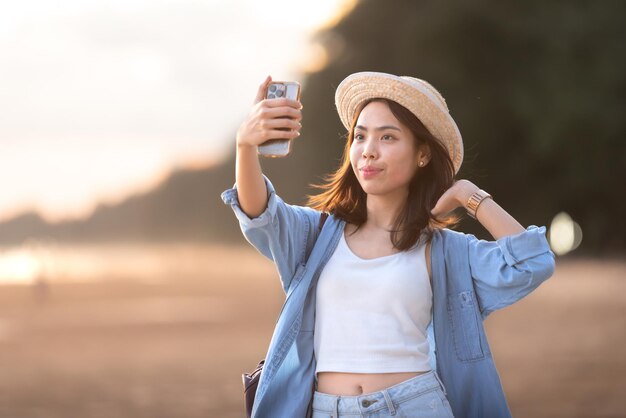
(343, 196)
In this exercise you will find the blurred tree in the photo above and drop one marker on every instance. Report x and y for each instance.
(536, 88)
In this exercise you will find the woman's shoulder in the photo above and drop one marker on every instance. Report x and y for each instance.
(447, 232)
(449, 238)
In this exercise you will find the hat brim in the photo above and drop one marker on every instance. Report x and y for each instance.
(419, 97)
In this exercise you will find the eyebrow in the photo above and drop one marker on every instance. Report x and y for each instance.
(380, 128)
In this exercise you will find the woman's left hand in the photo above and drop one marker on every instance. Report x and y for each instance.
(455, 196)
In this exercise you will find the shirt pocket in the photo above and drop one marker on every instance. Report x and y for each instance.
(466, 330)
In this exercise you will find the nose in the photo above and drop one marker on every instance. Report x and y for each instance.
(369, 150)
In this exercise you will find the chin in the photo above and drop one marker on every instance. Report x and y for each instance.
(374, 190)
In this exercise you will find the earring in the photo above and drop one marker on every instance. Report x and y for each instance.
(421, 163)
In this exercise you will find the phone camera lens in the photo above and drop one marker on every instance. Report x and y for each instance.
(280, 93)
(273, 88)
(271, 96)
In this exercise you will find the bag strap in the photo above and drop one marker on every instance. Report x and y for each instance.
(323, 218)
(320, 225)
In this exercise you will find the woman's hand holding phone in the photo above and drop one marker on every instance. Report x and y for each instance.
(270, 119)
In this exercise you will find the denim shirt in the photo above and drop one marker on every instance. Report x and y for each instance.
(471, 279)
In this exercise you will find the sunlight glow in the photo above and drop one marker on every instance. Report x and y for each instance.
(18, 266)
(44, 264)
(148, 67)
(100, 99)
(63, 179)
(307, 14)
(314, 59)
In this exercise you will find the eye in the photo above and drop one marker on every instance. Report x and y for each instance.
(386, 137)
(358, 137)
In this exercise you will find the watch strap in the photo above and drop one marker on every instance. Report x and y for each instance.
(475, 200)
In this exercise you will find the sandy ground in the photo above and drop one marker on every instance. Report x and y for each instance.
(175, 344)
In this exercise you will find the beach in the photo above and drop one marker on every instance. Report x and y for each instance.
(171, 337)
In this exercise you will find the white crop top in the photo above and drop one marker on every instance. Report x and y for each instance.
(372, 314)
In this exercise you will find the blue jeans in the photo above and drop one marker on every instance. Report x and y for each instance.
(421, 396)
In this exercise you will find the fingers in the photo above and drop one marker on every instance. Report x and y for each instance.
(282, 102)
(281, 123)
(280, 134)
(281, 112)
(260, 95)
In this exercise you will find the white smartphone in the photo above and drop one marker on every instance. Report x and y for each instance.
(276, 90)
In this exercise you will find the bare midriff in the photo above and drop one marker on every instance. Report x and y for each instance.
(353, 384)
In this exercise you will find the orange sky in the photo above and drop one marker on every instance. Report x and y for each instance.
(100, 99)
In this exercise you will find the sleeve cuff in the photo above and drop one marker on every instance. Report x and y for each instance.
(230, 197)
(525, 245)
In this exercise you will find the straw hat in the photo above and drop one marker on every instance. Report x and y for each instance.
(422, 99)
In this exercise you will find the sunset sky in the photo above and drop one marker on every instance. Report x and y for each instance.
(100, 99)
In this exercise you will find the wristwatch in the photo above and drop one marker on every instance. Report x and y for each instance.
(475, 200)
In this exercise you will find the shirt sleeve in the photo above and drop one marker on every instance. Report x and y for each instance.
(283, 233)
(506, 270)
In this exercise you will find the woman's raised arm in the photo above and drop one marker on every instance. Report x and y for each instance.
(509, 268)
(264, 122)
(492, 216)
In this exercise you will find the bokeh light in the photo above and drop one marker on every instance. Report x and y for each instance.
(564, 235)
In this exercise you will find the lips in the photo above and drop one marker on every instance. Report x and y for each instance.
(368, 172)
(370, 169)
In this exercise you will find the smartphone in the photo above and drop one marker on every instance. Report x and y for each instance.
(276, 90)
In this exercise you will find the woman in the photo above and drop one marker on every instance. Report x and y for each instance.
(384, 307)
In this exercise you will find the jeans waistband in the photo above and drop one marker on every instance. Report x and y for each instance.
(377, 400)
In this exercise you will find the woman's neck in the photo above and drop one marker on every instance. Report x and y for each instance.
(382, 211)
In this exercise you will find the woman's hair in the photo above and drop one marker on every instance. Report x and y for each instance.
(343, 196)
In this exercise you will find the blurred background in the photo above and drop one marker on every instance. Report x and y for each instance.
(126, 288)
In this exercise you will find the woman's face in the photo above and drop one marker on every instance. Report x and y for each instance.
(383, 152)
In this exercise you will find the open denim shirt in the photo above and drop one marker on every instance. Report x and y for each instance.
(471, 279)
